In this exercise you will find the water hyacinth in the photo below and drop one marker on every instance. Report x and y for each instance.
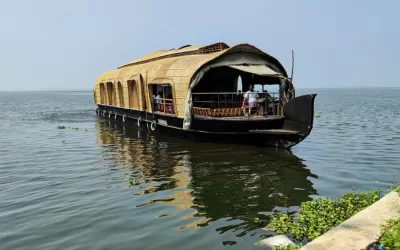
(317, 217)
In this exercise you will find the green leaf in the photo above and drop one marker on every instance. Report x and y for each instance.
(317, 217)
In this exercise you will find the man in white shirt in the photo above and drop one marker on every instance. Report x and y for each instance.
(250, 97)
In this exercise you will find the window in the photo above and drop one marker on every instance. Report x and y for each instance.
(102, 93)
(162, 98)
(120, 95)
(133, 96)
(110, 93)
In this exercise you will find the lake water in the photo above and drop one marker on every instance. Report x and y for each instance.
(98, 184)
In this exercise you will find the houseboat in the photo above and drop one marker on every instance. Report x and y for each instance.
(195, 92)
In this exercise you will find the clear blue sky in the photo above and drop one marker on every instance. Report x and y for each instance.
(67, 44)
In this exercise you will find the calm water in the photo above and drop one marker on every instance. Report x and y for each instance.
(108, 186)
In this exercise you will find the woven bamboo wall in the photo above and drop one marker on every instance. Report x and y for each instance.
(175, 71)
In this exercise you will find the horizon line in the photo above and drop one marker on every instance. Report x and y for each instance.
(91, 90)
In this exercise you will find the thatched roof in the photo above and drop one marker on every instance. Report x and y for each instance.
(182, 51)
(181, 62)
(177, 67)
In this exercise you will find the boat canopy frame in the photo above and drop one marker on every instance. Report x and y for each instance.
(256, 64)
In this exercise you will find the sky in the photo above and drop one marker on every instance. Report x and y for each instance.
(67, 44)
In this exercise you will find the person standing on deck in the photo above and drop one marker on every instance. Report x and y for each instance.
(284, 91)
(250, 97)
(158, 97)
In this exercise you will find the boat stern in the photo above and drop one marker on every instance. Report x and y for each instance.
(299, 113)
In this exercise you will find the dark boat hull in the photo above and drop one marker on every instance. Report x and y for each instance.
(281, 133)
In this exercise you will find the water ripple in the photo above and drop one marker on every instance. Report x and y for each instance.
(100, 184)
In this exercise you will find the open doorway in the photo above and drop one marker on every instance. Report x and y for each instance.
(218, 88)
(102, 93)
(163, 100)
(132, 94)
(121, 95)
(110, 93)
(230, 91)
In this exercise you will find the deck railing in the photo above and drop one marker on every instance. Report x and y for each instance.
(164, 105)
(267, 103)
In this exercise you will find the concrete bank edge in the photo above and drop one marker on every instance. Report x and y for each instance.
(361, 229)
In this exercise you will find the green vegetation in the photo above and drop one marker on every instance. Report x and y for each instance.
(288, 247)
(131, 182)
(391, 235)
(317, 116)
(391, 232)
(61, 127)
(317, 217)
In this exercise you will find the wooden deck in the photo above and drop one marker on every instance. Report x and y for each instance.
(275, 131)
(241, 118)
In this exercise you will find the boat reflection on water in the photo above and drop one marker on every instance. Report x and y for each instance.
(207, 181)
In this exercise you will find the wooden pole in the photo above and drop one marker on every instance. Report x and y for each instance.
(291, 77)
(163, 98)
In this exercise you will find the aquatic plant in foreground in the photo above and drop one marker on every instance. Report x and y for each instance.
(391, 234)
(317, 217)
(390, 238)
(288, 247)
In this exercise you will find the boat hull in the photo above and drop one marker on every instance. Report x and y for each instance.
(285, 132)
